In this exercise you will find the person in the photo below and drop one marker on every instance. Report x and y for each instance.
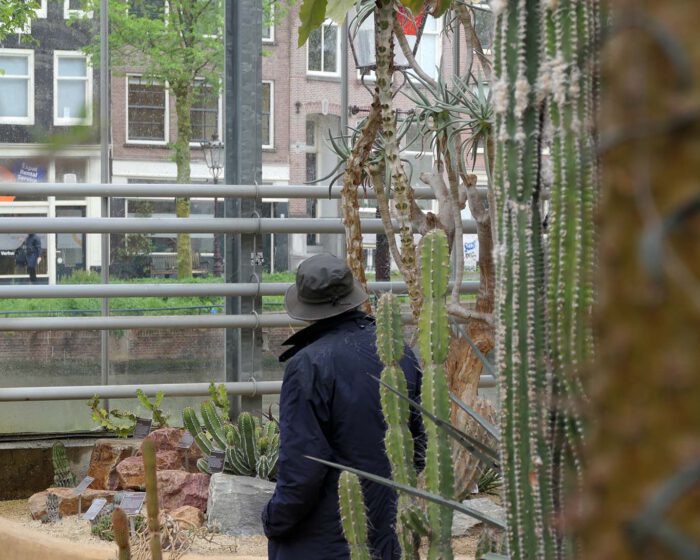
(330, 409)
(33, 245)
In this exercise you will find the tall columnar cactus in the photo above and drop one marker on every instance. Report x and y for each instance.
(120, 529)
(542, 96)
(398, 440)
(384, 15)
(149, 463)
(433, 340)
(353, 515)
(62, 475)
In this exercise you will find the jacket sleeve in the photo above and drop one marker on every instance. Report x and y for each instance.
(304, 417)
(414, 378)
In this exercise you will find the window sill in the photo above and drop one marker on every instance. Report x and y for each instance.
(323, 77)
(144, 144)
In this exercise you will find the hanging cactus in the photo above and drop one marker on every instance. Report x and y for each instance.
(433, 339)
(62, 475)
(353, 515)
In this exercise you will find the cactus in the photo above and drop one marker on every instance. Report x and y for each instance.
(353, 515)
(219, 397)
(433, 339)
(251, 448)
(544, 294)
(123, 422)
(149, 463)
(120, 529)
(53, 503)
(398, 440)
(62, 475)
(160, 419)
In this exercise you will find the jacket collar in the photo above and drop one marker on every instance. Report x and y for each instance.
(313, 332)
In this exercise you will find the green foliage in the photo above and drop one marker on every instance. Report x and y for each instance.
(312, 14)
(220, 398)
(62, 475)
(102, 528)
(15, 15)
(122, 422)
(251, 448)
(353, 515)
(160, 419)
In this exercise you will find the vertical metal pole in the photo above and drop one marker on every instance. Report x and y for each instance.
(243, 141)
(104, 177)
(344, 104)
(456, 55)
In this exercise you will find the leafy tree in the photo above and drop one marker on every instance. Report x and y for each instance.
(174, 42)
(15, 14)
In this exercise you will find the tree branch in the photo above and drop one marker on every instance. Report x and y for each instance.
(406, 49)
(468, 314)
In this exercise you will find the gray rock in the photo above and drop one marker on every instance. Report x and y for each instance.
(462, 522)
(235, 504)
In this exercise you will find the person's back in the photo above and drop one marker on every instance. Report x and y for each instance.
(330, 409)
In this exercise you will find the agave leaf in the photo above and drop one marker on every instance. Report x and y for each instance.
(483, 452)
(492, 430)
(417, 492)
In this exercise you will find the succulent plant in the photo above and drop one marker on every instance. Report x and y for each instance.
(62, 475)
(353, 515)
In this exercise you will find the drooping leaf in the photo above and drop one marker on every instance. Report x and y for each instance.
(417, 492)
(337, 10)
(414, 5)
(312, 15)
(492, 430)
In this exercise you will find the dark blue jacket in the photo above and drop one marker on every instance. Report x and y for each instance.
(330, 408)
(33, 244)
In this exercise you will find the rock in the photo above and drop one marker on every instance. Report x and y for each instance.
(106, 455)
(462, 523)
(167, 439)
(235, 504)
(189, 516)
(180, 488)
(132, 472)
(68, 503)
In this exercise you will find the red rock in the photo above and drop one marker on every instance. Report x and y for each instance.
(68, 503)
(132, 473)
(106, 455)
(180, 488)
(189, 517)
(167, 439)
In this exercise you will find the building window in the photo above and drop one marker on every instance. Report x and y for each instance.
(16, 86)
(268, 23)
(204, 113)
(428, 54)
(417, 153)
(42, 11)
(147, 111)
(72, 89)
(268, 115)
(323, 53)
(74, 8)
(311, 150)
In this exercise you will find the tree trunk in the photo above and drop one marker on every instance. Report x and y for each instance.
(183, 103)
(645, 390)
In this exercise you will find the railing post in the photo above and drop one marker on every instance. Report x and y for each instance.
(104, 178)
(243, 144)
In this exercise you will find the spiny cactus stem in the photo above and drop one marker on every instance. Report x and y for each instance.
(353, 516)
(149, 463)
(120, 530)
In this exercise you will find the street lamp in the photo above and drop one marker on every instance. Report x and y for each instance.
(214, 157)
(361, 37)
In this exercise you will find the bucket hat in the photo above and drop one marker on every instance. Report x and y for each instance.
(324, 288)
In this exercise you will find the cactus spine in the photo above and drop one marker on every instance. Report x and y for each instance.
(398, 440)
(433, 340)
(149, 463)
(62, 475)
(120, 529)
(353, 515)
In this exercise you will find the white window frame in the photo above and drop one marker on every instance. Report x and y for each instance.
(42, 11)
(68, 13)
(219, 120)
(29, 119)
(271, 38)
(73, 121)
(271, 145)
(166, 129)
(337, 57)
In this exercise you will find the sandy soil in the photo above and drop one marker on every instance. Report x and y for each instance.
(73, 528)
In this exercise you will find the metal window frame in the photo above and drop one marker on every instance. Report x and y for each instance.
(166, 113)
